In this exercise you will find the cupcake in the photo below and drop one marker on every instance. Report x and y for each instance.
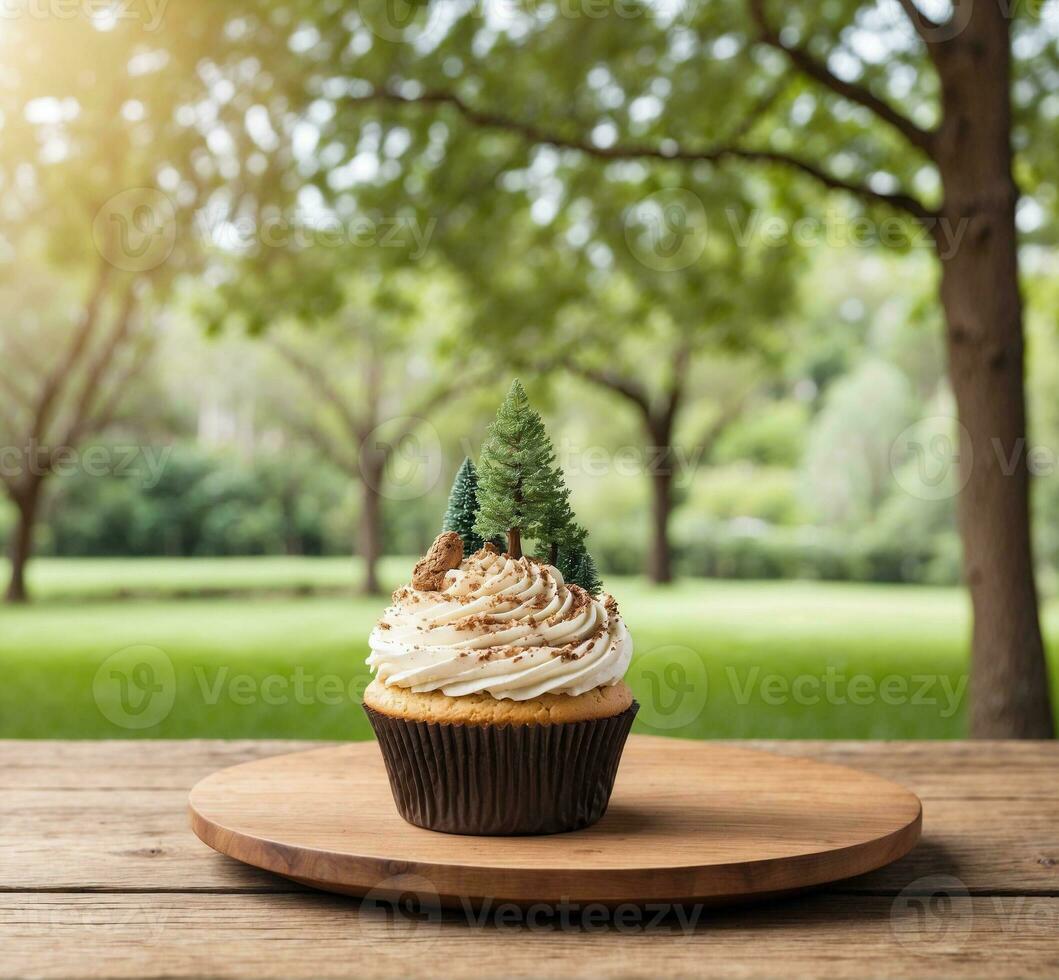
(498, 700)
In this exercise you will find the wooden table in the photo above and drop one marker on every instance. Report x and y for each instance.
(100, 876)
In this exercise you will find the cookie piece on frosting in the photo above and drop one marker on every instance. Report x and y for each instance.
(446, 552)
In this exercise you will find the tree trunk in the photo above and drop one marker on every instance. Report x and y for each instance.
(22, 542)
(660, 455)
(370, 537)
(984, 332)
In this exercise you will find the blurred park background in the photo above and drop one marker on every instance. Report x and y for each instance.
(267, 269)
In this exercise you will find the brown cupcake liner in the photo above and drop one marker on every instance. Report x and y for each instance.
(502, 779)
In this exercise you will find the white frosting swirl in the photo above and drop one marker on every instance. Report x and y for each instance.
(511, 628)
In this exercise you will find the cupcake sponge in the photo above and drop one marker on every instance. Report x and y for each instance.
(484, 709)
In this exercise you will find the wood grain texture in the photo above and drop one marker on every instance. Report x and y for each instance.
(316, 935)
(687, 821)
(99, 876)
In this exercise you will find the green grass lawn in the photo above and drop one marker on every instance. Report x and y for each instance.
(713, 659)
(94, 578)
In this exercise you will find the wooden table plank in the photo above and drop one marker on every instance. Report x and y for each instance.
(959, 770)
(980, 894)
(319, 936)
(112, 815)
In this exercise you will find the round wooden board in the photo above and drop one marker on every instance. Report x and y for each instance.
(688, 821)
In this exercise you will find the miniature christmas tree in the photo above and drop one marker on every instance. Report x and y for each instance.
(519, 486)
(575, 564)
(558, 522)
(462, 511)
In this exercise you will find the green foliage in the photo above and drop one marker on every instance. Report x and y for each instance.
(575, 563)
(773, 435)
(558, 522)
(519, 485)
(200, 504)
(750, 549)
(462, 510)
(52, 651)
(848, 455)
(767, 493)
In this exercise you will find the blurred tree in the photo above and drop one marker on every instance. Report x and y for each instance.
(848, 458)
(256, 104)
(117, 131)
(60, 387)
(370, 385)
(814, 95)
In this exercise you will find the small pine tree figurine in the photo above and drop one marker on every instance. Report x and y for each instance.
(518, 492)
(462, 510)
(558, 522)
(575, 564)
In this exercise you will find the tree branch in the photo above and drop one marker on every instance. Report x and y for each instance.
(81, 420)
(325, 443)
(675, 394)
(318, 379)
(626, 151)
(817, 70)
(925, 27)
(16, 391)
(630, 389)
(422, 409)
(82, 335)
(8, 429)
(728, 413)
(14, 346)
(106, 412)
